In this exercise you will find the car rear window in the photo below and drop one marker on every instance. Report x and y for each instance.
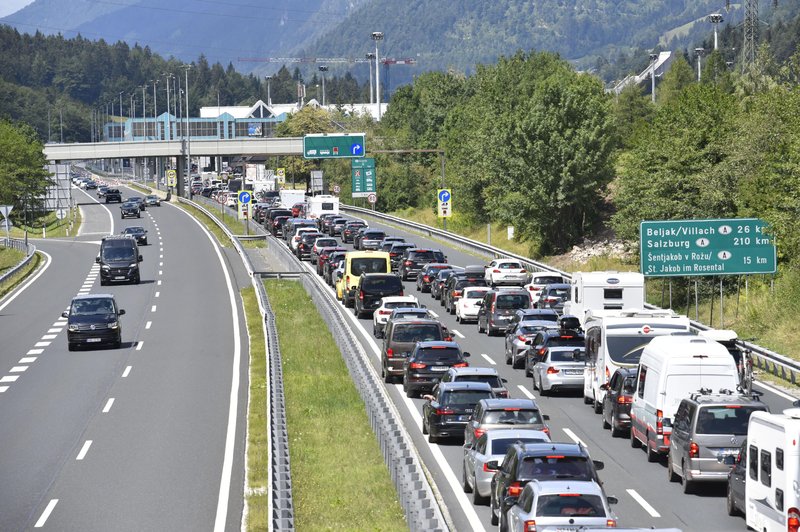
(364, 265)
(465, 397)
(558, 292)
(474, 294)
(567, 355)
(374, 236)
(410, 314)
(512, 301)
(509, 266)
(399, 304)
(529, 330)
(388, 282)
(556, 467)
(513, 416)
(730, 419)
(558, 341)
(570, 505)
(421, 256)
(500, 445)
(629, 385)
(419, 332)
(547, 279)
(322, 242)
(492, 380)
(472, 281)
(444, 355)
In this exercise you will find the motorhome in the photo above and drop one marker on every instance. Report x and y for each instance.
(322, 204)
(772, 497)
(290, 197)
(609, 290)
(670, 369)
(616, 338)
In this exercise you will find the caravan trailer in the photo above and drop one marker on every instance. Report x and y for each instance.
(615, 339)
(608, 290)
(319, 205)
(772, 481)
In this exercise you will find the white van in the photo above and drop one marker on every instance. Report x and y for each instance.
(608, 290)
(772, 482)
(670, 369)
(319, 205)
(615, 339)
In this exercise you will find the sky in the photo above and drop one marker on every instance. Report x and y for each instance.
(8, 7)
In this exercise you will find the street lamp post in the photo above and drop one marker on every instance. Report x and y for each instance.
(188, 132)
(699, 53)
(167, 132)
(653, 59)
(377, 36)
(715, 19)
(371, 57)
(323, 69)
(269, 95)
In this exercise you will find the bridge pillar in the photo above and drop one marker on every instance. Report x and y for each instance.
(181, 177)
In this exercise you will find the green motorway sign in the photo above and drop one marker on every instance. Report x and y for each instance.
(363, 174)
(706, 247)
(333, 146)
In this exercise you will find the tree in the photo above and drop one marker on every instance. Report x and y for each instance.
(679, 76)
(632, 111)
(717, 72)
(22, 163)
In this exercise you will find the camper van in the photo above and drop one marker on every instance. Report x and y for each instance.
(772, 497)
(615, 339)
(608, 290)
(319, 205)
(670, 369)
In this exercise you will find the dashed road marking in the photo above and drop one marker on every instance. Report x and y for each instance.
(139, 345)
(457, 333)
(161, 264)
(126, 372)
(49, 337)
(18, 369)
(27, 360)
(108, 405)
(643, 503)
(84, 450)
(159, 282)
(148, 324)
(433, 313)
(9, 378)
(573, 437)
(3, 388)
(489, 359)
(42, 344)
(160, 272)
(55, 330)
(47, 511)
(35, 352)
(153, 309)
(158, 294)
(525, 391)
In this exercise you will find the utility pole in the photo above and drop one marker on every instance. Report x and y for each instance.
(377, 36)
(370, 58)
(188, 131)
(699, 53)
(750, 33)
(167, 132)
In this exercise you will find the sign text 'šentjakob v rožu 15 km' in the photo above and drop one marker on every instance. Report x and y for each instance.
(706, 247)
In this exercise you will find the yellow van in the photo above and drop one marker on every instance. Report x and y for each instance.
(357, 263)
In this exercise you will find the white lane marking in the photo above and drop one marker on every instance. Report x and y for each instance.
(42, 344)
(83, 291)
(525, 391)
(161, 256)
(84, 450)
(49, 337)
(9, 378)
(574, 437)
(35, 352)
(159, 282)
(153, 309)
(126, 372)
(158, 294)
(776, 391)
(55, 330)
(49, 260)
(488, 359)
(160, 263)
(161, 249)
(60, 323)
(148, 324)
(432, 313)
(3, 388)
(457, 333)
(43, 518)
(27, 360)
(139, 345)
(160, 272)
(108, 405)
(18, 369)
(643, 503)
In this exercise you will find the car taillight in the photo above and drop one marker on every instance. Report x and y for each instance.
(456, 293)
(522, 271)
(361, 295)
(694, 450)
(461, 365)
(444, 411)
(389, 353)
(624, 400)
(426, 278)
(408, 263)
(514, 489)
(521, 338)
(479, 432)
(495, 271)
(546, 430)
(487, 469)
(347, 279)
(793, 520)
(552, 371)
(611, 523)
(541, 351)
(418, 365)
(529, 526)
(401, 293)
(659, 422)
(393, 254)
(502, 393)
(384, 312)
(448, 339)
(492, 309)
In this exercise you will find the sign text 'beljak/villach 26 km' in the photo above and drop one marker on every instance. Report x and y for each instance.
(706, 247)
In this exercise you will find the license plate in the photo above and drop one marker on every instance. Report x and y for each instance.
(119, 277)
(92, 340)
(573, 372)
(439, 368)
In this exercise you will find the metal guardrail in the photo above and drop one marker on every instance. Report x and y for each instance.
(764, 359)
(20, 245)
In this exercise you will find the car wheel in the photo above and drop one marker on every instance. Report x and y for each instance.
(137, 280)
(489, 331)
(424, 426)
(615, 430)
(432, 438)
(542, 391)
(464, 480)
(528, 371)
(477, 498)
(730, 505)
(598, 407)
(635, 444)
(587, 400)
(606, 424)
(139, 215)
(480, 329)
(516, 364)
(102, 282)
(652, 455)
(671, 475)
(503, 522)
(71, 347)
(494, 518)
(533, 383)
(403, 276)
(118, 344)
(688, 485)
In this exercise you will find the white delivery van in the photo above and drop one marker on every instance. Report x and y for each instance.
(772, 481)
(670, 369)
(290, 197)
(323, 204)
(608, 290)
(615, 339)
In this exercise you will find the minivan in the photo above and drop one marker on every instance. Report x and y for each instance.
(93, 320)
(357, 263)
(399, 340)
(119, 260)
(372, 287)
(498, 307)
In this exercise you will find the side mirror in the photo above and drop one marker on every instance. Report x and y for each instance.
(528, 342)
(493, 465)
(65, 314)
(479, 304)
(598, 465)
(97, 259)
(546, 417)
(612, 500)
(140, 258)
(120, 312)
(504, 381)
(508, 502)
(428, 397)
(604, 386)
(466, 354)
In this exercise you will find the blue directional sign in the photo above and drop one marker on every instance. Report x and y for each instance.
(244, 197)
(357, 150)
(444, 195)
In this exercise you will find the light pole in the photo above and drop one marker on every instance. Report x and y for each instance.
(167, 132)
(699, 53)
(188, 132)
(715, 19)
(269, 95)
(370, 57)
(144, 111)
(653, 59)
(323, 69)
(155, 108)
(377, 36)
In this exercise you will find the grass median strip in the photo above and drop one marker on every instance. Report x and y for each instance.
(10, 283)
(339, 479)
(210, 224)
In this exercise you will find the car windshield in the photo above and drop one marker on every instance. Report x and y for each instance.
(568, 355)
(492, 380)
(364, 265)
(570, 505)
(626, 349)
(152, 197)
(119, 253)
(89, 307)
(465, 397)
(426, 332)
(383, 283)
(500, 445)
(442, 355)
(513, 416)
(512, 301)
(730, 419)
(555, 467)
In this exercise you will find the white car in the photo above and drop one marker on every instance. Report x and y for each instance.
(296, 238)
(506, 271)
(466, 306)
(232, 199)
(539, 281)
(382, 313)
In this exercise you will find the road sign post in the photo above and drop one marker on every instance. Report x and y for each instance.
(244, 208)
(334, 146)
(706, 247)
(444, 203)
(363, 177)
(5, 210)
(172, 178)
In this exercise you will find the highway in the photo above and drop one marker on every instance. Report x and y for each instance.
(146, 437)
(645, 496)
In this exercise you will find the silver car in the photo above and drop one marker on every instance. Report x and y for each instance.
(561, 368)
(570, 504)
(517, 339)
(492, 445)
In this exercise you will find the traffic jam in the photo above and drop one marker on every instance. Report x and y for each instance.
(684, 400)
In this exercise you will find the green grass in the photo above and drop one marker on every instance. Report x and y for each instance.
(257, 463)
(340, 481)
(9, 258)
(139, 188)
(17, 278)
(53, 226)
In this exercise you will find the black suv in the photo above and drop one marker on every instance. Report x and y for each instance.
(524, 462)
(497, 309)
(371, 288)
(454, 289)
(350, 229)
(113, 195)
(427, 273)
(427, 363)
(400, 336)
(547, 339)
(415, 258)
(93, 319)
(446, 412)
(130, 208)
(396, 253)
(306, 244)
(119, 260)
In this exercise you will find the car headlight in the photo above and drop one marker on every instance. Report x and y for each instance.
(105, 267)
(73, 328)
(113, 324)
(134, 265)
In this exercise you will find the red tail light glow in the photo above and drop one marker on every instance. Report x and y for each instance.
(611, 523)
(361, 295)
(479, 432)
(552, 371)
(487, 469)
(408, 263)
(444, 411)
(529, 526)
(390, 353)
(495, 271)
(624, 400)
(660, 422)
(514, 489)
(793, 520)
(694, 450)
(521, 338)
(461, 365)
(417, 365)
